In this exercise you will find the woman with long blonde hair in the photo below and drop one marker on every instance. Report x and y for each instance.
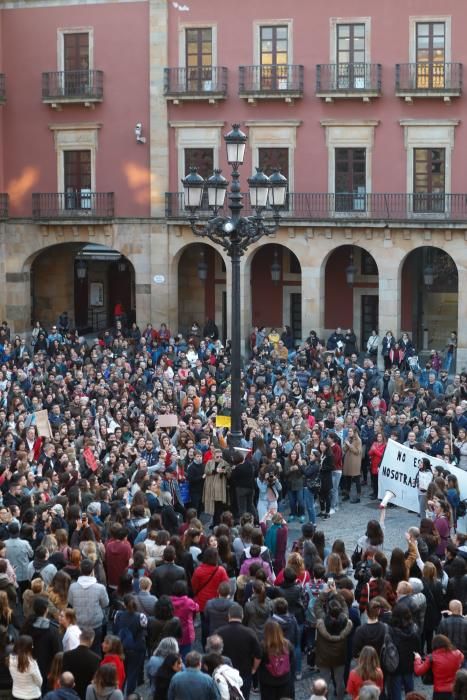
(295, 562)
(367, 669)
(7, 616)
(275, 670)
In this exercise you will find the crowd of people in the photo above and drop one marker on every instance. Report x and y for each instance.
(138, 545)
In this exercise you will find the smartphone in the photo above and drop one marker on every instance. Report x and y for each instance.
(330, 581)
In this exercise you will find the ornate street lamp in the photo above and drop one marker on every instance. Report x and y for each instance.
(81, 269)
(202, 267)
(350, 272)
(428, 276)
(235, 233)
(275, 268)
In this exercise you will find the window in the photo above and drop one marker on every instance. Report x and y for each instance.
(76, 63)
(429, 179)
(350, 45)
(201, 158)
(77, 179)
(274, 57)
(430, 54)
(198, 58)
(271, 158)
(350, 179)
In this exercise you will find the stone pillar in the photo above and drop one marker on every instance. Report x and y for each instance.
(159, 151)
(312, 301)
(162, 279)
(461, 355)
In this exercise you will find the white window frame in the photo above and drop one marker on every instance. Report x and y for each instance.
(274, 134)
(182, 40)
(429, 133)
(257, 24)
(350, 134)
(61, 31)
(334, 21)
(196, 135)
(413, 21)
(75, 137)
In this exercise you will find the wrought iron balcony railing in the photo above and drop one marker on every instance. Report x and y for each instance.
(277, 81)
(348, 79)
(73, 86)
(197, 83)
(3, 205)
(2, 89)
(80, 205)
(429, 79)
(351, 207)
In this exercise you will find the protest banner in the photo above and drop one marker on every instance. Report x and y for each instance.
(223, 421)
(167, 420)
(398, 473)
(42, 424)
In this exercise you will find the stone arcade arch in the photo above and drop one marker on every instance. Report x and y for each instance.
(351, 304)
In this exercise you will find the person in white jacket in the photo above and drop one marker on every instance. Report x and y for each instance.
(224, 676)
(24, 671)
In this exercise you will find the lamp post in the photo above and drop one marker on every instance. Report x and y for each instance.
(235, 233)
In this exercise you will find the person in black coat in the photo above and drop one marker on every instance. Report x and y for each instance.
(242, 479)
(46, 639)
(164, 576)
(82, 662)
(195, 477)
(326, 469)
(171, 665)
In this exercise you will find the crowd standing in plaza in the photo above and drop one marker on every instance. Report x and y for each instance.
(137, 544)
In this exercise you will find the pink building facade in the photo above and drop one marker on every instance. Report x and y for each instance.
(362, 110)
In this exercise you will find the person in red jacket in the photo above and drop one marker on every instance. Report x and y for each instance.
(375, 454)
(205, 583)
(113, 654)
(445, 661)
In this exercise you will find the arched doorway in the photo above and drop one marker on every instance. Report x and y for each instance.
(87, 281)
(202, 288)
(276, 289)
(351, 292)
(429, 297)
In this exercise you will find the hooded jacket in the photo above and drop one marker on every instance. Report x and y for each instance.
(46, 643)
(224, 676)
(88, 598)
(289, 627)
(331, 648)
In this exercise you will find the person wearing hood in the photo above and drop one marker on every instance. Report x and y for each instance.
(89, 600)
(258, 610)
(45, 637)
(286, 620)
(331, 645)
(39, 567)
(66, 691)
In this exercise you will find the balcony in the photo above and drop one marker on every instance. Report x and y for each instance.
(84, 87)
(348, 81)
(442, 80)
(80, 207)
(195, 84)
(3, 205)
(2, 89)
(351, 207)
(278, 82)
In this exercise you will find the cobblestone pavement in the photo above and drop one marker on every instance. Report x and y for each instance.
(348, 524)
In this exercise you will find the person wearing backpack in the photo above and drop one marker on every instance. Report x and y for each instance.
(406, 637)
(276, 670)
(130, 626)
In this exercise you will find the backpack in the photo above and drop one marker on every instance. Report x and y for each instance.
(126, 637)
(278, 664)
(312, 590)
(389, 654)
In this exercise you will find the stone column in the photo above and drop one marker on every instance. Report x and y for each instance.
(312, 303)
(163, 280)
(461, 355)
(159, 151)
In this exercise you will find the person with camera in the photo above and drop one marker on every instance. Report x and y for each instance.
(269, 488)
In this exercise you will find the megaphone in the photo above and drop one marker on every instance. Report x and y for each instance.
(387, 497)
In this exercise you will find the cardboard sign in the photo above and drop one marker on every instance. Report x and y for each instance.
(223, 421)
(167, 420)
(398, 473)
(42, 424)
